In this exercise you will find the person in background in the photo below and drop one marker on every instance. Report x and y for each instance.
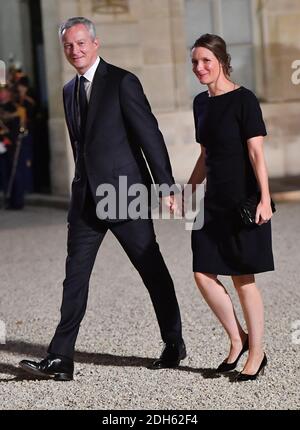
(4, 142)
(14, 182)
(26, 105)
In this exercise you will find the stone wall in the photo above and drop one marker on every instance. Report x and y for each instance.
(148, 37)
(280, 43)
(281, 145)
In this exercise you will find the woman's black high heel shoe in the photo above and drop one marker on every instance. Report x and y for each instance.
(227, 367)
(245, 377)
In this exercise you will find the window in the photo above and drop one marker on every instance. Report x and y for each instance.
(230, 19)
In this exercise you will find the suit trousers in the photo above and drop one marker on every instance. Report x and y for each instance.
(137, 237)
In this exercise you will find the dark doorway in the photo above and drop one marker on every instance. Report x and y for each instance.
(41, 152)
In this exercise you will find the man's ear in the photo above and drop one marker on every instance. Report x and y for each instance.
(97, 42)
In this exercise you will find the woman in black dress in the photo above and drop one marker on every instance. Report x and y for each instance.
(230, 129)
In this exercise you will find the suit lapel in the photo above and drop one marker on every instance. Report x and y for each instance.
(71, 114)
(95, 102)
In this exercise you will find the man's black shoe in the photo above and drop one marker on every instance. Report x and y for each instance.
(170, 356)
(53, 366)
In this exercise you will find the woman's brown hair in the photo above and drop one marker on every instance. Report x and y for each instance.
(217, 46)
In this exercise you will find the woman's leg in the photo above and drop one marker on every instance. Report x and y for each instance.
(220, 303)
(252, 306)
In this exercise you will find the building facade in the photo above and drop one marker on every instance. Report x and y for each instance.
(152, 38)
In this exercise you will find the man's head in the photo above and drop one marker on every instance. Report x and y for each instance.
(78, 37)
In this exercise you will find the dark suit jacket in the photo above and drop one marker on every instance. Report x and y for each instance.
(119, 127)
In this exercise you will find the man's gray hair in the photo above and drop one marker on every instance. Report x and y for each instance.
(77, 20)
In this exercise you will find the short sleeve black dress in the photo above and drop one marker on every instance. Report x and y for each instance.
(223, 245)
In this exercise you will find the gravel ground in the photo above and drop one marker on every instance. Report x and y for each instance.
(119, 335)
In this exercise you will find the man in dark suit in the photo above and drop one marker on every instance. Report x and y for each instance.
(111, 126)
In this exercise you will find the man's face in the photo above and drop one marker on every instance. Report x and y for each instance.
(80, 50)
(206, 66)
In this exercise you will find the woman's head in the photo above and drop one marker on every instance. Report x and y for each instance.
(210, 59)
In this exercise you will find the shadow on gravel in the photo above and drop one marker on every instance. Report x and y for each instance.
(18, 373)
(37, 352)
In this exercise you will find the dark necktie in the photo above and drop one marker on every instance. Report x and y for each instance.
(83, 104)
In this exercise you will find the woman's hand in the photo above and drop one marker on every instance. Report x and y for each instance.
(182, 201)
(263, 212)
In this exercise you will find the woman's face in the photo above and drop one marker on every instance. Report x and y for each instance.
(206, 66)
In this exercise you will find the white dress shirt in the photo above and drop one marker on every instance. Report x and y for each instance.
(89, 76)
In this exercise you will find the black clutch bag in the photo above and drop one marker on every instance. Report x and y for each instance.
(247, 210)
